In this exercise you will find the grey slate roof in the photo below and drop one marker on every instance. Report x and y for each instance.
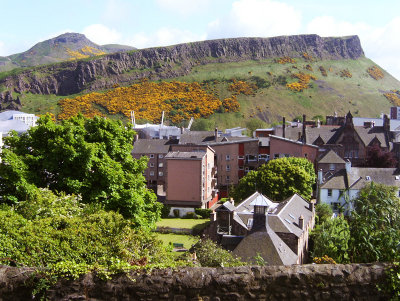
(150, 146)
(330, 133)
(331, 157)
(357, 178)
(208, 138)
(269, 245)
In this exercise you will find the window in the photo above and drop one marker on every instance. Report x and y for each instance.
(160, 173)
(151, 156)
(151, 173)
(228, 157)
(241, 168)
(368, 178)
(160, 164)
(305, 155)
(331, 167)
(151, 164)
(228, 168)
(249, 223)
(246, 168)
(160, 156)
(329, 192)
(240, 157)
(227, 179)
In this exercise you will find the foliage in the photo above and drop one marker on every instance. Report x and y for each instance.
(391, 285)
(259, 260)
(203, 124)
(324, 260)
(179, 100)
(345, 73)
(375, 224)
(68, 242)
(254, 124)
(209, 254)
(331, 238)
(323, 71)
(278, 179)
(87, 157)
(375, 72)
(394, 97)
(242, 87)
(380, 158)
(165, 211)
(204, 213)
(303, 81)
(190, 215)
(324, 212)
(307, 57)
(285, 60)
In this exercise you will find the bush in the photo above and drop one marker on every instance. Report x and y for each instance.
(165, 210)
(190, 215)
(176, 212)
(209, 254)
(323, 212)
(204, 213)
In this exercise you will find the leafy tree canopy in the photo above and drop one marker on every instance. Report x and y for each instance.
(375, 224)
(86, 157)
(379, 158)
(278, 179)
(331, 238)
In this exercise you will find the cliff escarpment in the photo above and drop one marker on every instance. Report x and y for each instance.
(167, 62)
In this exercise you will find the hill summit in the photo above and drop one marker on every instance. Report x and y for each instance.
(68, 46)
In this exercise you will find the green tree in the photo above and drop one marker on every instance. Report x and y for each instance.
(323, 212)
(331, 238)
(254, 124)
(87, 157)
(209, 254)
(375, 224)
(203, 124)
(278, 180)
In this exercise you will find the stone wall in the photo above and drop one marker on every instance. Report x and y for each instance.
(298, 282)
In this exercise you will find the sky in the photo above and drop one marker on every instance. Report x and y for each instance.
(148, 23)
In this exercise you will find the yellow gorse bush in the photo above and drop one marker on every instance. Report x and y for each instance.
(179, 100)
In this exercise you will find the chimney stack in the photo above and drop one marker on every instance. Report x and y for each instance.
(348, 166)
(320, 177)
(301, 222)
(304, 129)
(311, 206)
(283, 127)
(216, 134)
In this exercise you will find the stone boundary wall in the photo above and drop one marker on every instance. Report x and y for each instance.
(297, 282)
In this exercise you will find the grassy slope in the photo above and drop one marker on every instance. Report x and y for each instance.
(361, 94)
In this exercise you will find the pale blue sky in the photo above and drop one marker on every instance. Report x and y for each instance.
(149, 23)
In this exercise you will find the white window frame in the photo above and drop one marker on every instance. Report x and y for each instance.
(151, 173)
(151, 156)
(160, 156)
(151, 164)
(160, 174)
(228, 157)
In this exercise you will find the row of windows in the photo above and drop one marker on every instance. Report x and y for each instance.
(151, 156)
(159, 164)
(160, 173)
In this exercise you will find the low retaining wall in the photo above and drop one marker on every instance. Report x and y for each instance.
(298, 282)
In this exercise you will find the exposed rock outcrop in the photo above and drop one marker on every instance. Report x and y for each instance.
(166, 62)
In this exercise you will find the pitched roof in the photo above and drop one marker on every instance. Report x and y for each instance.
(268, 245)
(246, 205)
(208, 138)
(150, 146)
(331, 157)
(360, 176)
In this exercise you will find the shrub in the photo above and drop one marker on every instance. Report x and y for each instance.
(209, 254)
(190, 215)
(165, 210)
(176, 212)
(204, 213)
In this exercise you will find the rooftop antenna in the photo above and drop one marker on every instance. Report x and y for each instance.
(133, 118)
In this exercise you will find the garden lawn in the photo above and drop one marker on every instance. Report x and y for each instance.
(182, 223)
(186, 240)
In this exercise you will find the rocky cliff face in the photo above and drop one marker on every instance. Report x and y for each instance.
(166, 62)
